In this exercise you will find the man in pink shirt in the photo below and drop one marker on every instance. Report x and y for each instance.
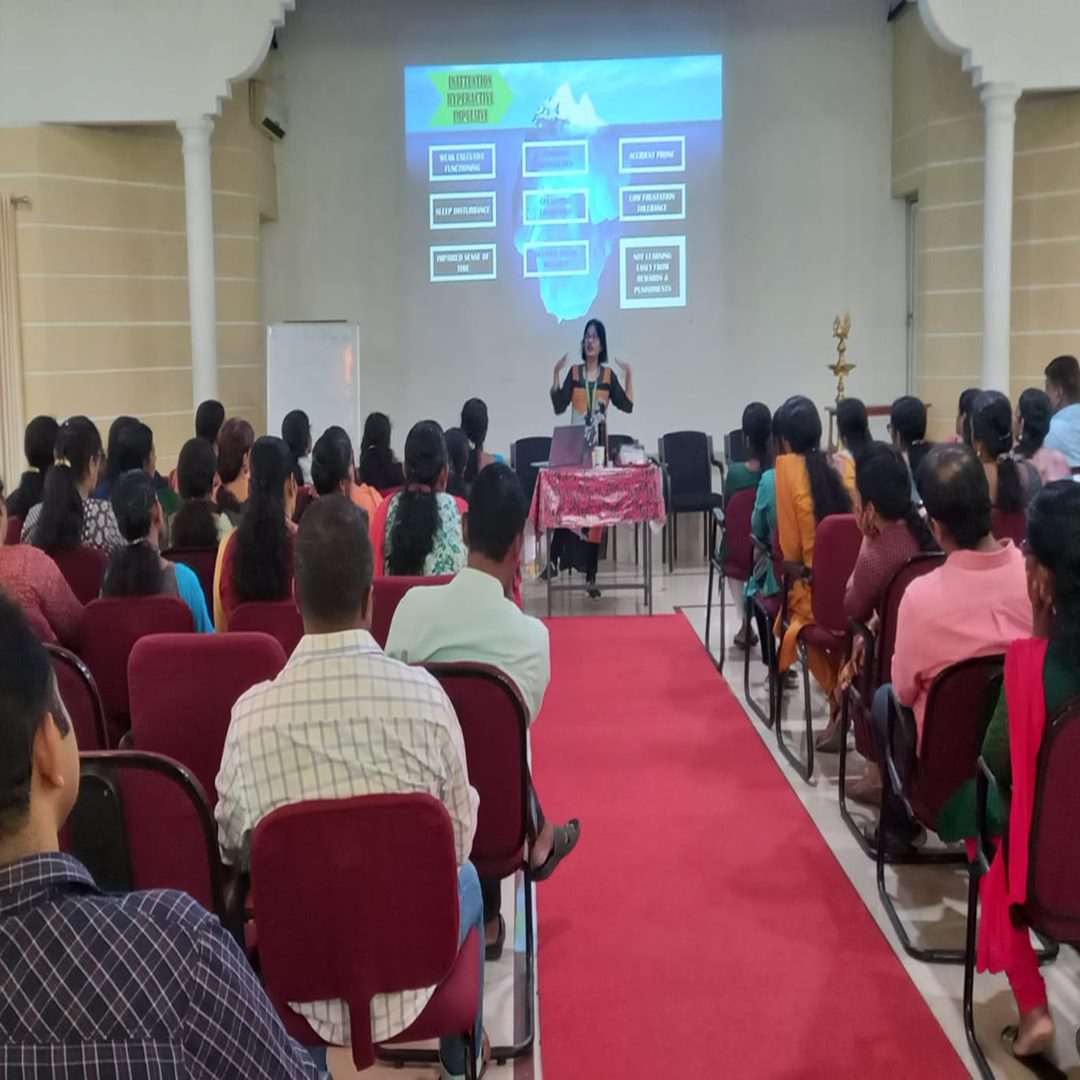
(975, 604)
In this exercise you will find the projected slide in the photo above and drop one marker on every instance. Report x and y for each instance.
(565, 181)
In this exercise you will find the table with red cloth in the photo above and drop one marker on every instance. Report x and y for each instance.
(591, 498)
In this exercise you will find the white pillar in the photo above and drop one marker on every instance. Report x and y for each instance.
(999, 101)
(198, 198)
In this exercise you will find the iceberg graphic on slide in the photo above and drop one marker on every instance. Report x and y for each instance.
(562, 113)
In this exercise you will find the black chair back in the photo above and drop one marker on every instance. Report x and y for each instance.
(522, 455)
(687, 455)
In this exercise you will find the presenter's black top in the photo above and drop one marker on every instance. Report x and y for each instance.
(589, 399)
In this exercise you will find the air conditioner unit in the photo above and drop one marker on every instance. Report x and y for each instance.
(267, 110)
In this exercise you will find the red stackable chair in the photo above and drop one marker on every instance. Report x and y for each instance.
(836, 547)
(876, 671)
(278, 618)
(182, 689)
(142, 822)
(377, 915)
(1009, 525)
(738, 560)
(80, 697)
(202, 561)
(1052, 905)
(107, 635)
(387, 595)
(83, 569)
(494, 723)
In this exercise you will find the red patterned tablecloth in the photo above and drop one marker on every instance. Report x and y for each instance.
(584, 498)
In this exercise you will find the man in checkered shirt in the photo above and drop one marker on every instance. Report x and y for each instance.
(92, 986)
(343, 719)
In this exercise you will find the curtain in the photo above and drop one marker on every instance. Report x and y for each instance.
(11, 368)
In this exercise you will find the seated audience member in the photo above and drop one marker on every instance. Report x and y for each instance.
(808, 489)
(378, 466)
(343, 719)
(1042, 673)
(111, 463)
(198, 523)
(422, 534)
(457, 461)
(893, 533)
(67, 516)
(137, 569)
(853, 433)
(209, 417)
(474, 423)
(296, 433)
(1063, 390)
(35, 583)
(96, 984)
(255, 561)
(39, 443)
(907, 427)
(963, 414)
(475, 618)
(1030, 426)
(1012, 482)
(332, 470)
(975, 604)
(744, 476)
(135, 449)
(234, 469)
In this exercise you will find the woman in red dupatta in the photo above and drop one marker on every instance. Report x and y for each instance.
(1041, 674)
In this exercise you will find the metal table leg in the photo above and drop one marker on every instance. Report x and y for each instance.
(547, 542)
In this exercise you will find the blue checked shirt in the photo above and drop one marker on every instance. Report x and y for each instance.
(140, 986)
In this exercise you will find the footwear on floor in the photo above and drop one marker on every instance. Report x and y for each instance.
(549, 572)
(566, 838)
(494, 950)
(828, 742)
(864, 790)
(741, 641)
(896, 844)
(590, 587)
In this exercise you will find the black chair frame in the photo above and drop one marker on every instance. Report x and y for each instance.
(670, 544)
(755, 612)
(66, 656)
(795, 572)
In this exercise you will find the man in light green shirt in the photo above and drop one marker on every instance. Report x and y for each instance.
(473, 618)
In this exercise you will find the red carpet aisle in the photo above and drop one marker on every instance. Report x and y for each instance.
(702, 928)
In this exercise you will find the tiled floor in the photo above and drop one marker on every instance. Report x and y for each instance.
(931, 898)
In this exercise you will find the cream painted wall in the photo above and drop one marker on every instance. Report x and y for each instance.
(802, 210)
(938, 145)
(103, 270)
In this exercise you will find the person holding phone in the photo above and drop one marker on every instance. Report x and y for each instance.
(587, 390)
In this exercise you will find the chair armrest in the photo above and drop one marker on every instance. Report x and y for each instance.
(717, 463)
(718, 515)
(862, 632)
(985, 781)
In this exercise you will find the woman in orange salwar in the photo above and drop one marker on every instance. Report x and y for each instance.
(808, 489)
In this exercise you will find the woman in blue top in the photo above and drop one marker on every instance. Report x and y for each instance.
(137, 569)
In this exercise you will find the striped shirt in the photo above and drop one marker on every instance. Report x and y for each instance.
(343, 719)
(146, 986)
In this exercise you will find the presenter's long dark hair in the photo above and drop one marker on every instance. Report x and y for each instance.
(882, 477)
(601, 333)
(474, 423)
(262, 566)
(78, 447)
(416, 509)
(802, 430)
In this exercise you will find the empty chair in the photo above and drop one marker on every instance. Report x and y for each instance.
(83, 568)
(688, 458)
(80, 697)
(377, 915)
(182, 688)
(141, 821)
(731, 555)
(202, 561)
(1008, 525)
(109, 630)
(836, 547)
(388, 592)
(524, 455)
(278, 618)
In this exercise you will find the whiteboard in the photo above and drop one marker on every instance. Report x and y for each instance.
(315, 367)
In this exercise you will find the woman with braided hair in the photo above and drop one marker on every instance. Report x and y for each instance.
(1012, 482)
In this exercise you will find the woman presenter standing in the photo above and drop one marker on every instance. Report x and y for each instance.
(588, 389)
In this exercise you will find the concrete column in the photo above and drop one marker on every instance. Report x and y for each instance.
(198, 197)
(999, 101)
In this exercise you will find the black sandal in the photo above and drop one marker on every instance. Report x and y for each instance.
(566, 838)
(1039, 1063)
(495, 949)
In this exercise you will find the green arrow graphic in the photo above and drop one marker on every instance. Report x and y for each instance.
(470, 98)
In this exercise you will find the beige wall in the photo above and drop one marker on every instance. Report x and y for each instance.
(938, 145)
(103, 270)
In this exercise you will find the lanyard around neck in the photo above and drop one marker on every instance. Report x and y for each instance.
(591, 389)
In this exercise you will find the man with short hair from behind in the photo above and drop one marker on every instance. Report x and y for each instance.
(1063, 389)
(474, 618)
(140, 984)
(975, 604)
(343, 719)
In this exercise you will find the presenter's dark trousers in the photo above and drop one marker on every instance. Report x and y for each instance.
(571, 551)
(491, 888)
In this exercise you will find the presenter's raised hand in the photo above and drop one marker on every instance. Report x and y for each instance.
(624, 369)
(561, 364)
